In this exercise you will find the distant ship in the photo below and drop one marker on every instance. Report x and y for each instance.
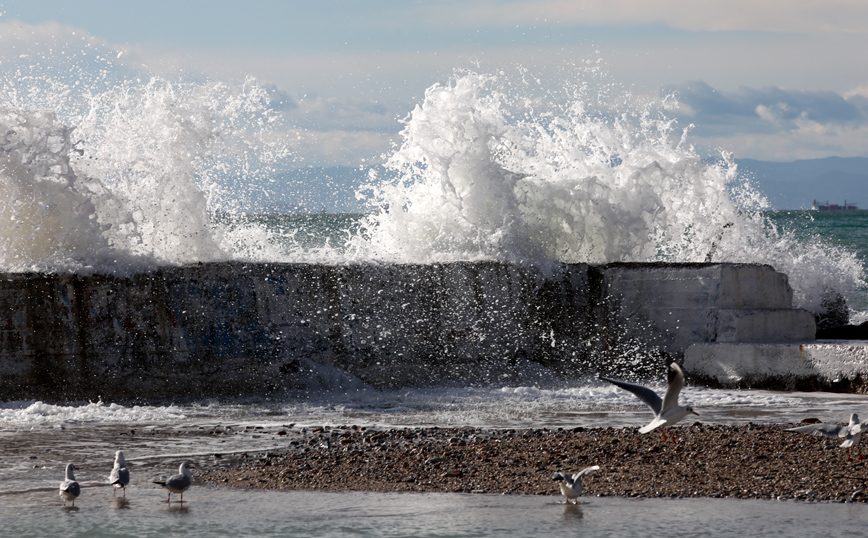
(848, 206)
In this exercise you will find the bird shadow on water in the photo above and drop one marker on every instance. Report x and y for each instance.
(121, 503)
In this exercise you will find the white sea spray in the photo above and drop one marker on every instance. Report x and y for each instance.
(114, 173)
(491, 169)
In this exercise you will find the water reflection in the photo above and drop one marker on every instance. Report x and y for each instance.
(178, 508)
(572, 512)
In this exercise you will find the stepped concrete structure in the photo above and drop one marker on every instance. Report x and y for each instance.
(674, 306)
(230, 329)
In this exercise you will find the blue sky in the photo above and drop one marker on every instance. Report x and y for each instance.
(773, 80)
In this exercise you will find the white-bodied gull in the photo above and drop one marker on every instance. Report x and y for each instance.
(69, 488)
(571, 485)
(178, 483)
(120, 475)
(666, 411)
(851, 433)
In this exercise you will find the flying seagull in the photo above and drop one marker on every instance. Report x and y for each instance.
(69, 488)
(666, 411)
(120, 475)
(851, 433)
(178, 483)
(571, 485)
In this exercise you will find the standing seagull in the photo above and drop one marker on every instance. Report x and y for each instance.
(178, 483)
(69, 488)
(571, 485)
(120, 475)
(666, 411)
(851, 433)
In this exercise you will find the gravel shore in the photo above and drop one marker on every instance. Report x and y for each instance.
(746, 461)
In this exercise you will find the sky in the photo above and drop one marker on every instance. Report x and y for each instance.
(775, 80)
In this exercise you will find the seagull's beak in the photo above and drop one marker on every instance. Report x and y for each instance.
(695, 413)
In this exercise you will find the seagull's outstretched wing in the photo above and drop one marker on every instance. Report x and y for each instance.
(585, 471)
(566, 477)
(648, 396)
(833, 431)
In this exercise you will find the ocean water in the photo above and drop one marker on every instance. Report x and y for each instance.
(104, 173)
(844, 230)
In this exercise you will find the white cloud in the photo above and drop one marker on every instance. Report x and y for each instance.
(769, 114)
(810, 141)
(861, 91)
(693, 16)
(334, 147)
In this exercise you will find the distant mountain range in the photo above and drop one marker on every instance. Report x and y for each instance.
(795, 185)
(787, 185)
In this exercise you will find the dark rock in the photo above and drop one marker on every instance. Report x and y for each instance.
(844, 332)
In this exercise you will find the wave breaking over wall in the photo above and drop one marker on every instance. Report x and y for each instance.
(122, 175)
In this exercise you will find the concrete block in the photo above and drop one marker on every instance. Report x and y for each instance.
(769, 325)
(672, 306)
(827, 365)
(744, 286)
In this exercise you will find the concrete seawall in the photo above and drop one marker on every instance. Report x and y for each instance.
(235, 329)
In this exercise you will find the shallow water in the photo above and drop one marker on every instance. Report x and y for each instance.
(229, 512)
(37, 440)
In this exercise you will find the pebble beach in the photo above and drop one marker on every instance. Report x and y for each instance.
(711, 461)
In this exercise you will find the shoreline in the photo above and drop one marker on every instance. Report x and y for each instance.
(713, 461)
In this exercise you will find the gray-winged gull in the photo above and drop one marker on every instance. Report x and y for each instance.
(120, 475)
(571, 485)
(178, 483)
(69, 488)
(851, 433)
(666, 411)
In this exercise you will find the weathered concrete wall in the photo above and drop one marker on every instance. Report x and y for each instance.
(831, 365)
(233, 328)
(240, 328)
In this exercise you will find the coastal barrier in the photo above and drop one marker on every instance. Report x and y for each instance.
(236, 329)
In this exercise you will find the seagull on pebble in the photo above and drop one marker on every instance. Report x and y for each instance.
(851, 433)
(571, 485)
(120, 475)
(69, 488)
(666, 411)
(178, 483)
